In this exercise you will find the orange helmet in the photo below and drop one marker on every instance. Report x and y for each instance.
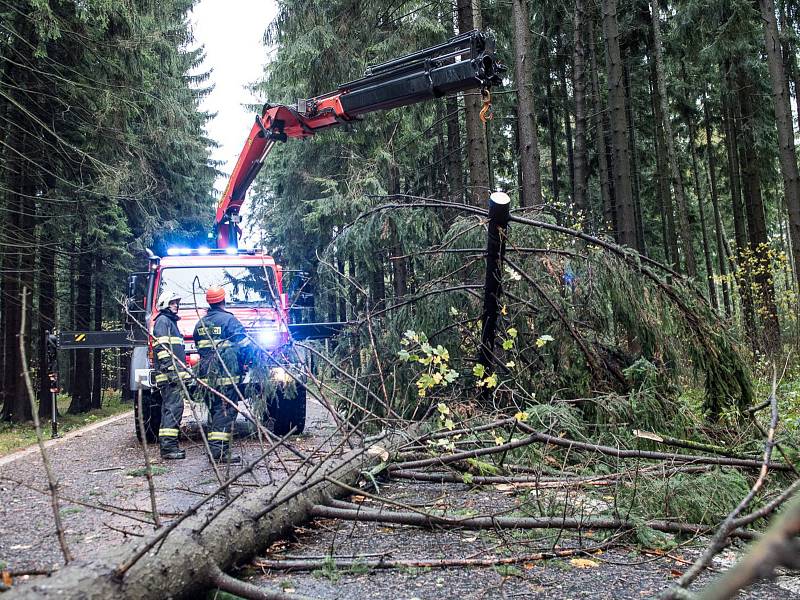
(215, 294)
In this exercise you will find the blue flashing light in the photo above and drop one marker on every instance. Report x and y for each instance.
(204, 250)
(184, 251)
(172, 251)
(231, 250)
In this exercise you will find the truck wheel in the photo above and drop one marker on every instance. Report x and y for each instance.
(151, 407)
(286, 414)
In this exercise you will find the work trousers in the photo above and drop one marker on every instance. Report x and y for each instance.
(171, 414)
(222, 417)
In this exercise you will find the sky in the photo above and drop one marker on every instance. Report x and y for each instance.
(232, 33)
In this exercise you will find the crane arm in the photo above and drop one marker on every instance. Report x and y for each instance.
(464, 62)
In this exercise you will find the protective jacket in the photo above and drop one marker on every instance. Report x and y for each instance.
(168, 343)
(221, 339)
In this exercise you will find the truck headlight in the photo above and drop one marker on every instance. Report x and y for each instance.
(269, 338)
(280, 375)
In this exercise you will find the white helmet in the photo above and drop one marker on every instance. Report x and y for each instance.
(165, 298)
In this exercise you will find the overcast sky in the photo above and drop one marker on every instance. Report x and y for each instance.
(232, 33)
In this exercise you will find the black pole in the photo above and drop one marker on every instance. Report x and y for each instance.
(499, 204)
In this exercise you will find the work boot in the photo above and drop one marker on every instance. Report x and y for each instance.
(170, 450)
(222, 454)
(228, 459)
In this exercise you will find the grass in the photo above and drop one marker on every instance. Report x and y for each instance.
(15, 436)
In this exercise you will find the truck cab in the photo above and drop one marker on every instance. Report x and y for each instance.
(254, 294)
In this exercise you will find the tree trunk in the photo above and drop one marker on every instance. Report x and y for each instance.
(718, 226)
(82, 382)
(97, 367)
(623, 191)
(455, 170)
(469, 18)
(579, 173)
(551, 124)
(756, 222)
(561, 61)
(47, 316)
(672, 156)
(740, 266)
(783, 123)
(182, 563)
(712, 289)
(637, 200)
(603, 152)
(665, 207)
(528, 136)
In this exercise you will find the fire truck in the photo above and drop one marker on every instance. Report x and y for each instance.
(253, 281)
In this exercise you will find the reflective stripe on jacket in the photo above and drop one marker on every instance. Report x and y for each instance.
(221, 339)
(168, 343)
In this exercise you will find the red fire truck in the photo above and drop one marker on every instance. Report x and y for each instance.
(254, 283)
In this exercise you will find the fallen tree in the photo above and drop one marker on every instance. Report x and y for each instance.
(190, 557)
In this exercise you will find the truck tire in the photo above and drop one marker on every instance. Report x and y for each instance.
(151, 407)
(286, 414)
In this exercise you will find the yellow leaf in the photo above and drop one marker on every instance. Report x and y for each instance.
(583, 563)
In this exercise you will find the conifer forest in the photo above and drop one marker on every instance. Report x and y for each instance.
(591, 391)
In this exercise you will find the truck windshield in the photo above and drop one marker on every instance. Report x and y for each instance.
(244, 286)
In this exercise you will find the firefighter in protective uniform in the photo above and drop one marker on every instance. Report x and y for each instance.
(170, 356)
(224, 348)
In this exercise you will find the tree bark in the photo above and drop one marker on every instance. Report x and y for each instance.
(82, 382)
(637, 199)
(580, 163)
(565, 103)
(186, 559)
(666, 210)
(623, 191)
(785, 128)
(740, 267)
(47, 316)
(758, 256)
(600, 120)
(672, 156)
(528, 136)
(469, 18)
(97, 366)
(551, 122)
(718, 226)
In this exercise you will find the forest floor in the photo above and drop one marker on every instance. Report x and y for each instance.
(104, 467)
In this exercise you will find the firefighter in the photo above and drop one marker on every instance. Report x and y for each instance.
(224, 348)
(170, 360)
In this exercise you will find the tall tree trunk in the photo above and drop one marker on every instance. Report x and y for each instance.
(757, 222)
(11, 310)
(718, 226)
(528, 135)
(47, 315)
(82, 382)
(469, 18)
(552, 137)
(561, 61)
(623, 191)
(637, 200)
(669, 239)
(741, 268)
(580, 169)
(783, 123)
(97, 367)
(672, 156)
(603, 152)
(455, 170)
(712, 288)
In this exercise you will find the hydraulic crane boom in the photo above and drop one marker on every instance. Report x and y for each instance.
(465, 62)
